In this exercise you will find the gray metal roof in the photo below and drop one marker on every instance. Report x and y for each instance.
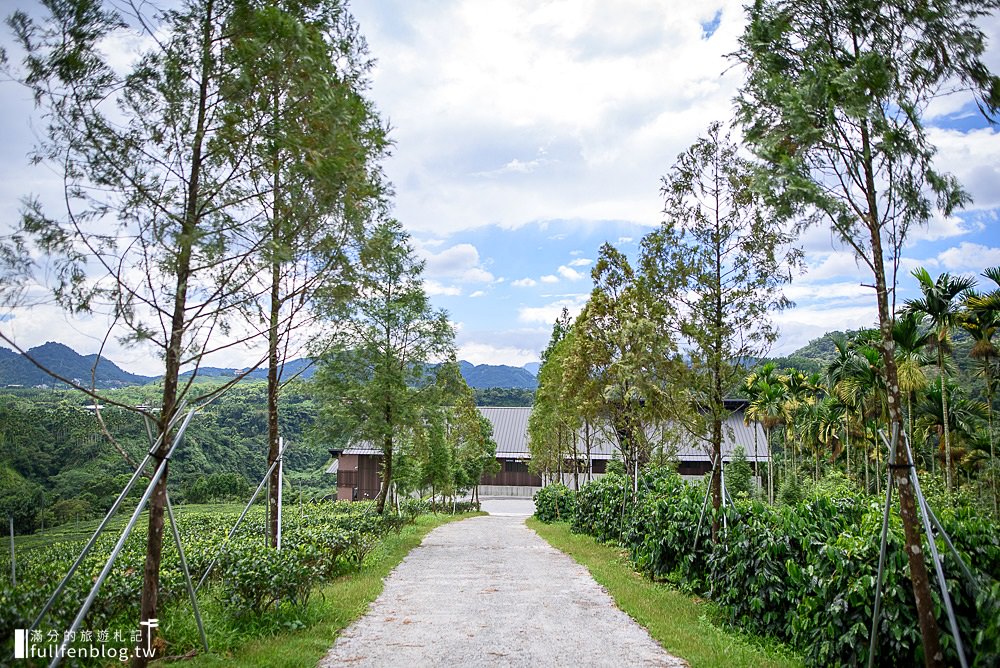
(510, 431)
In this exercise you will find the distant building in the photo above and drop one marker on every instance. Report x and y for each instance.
(358, 466)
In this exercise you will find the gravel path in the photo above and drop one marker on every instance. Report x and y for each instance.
(489, 591)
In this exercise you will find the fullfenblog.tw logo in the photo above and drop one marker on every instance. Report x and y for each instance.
(101, 644)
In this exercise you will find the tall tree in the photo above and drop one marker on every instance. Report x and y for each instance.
(723, 258)
(940, 303)
(553, 421)
(981, 320)
(622, 347)
(297, 80)
(832, 105)
(375, 375)
(150, 232)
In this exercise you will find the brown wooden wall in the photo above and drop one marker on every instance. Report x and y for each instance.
(358, 477)
(512, 472)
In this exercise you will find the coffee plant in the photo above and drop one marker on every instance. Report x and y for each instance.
(802, 572)
(555, 502)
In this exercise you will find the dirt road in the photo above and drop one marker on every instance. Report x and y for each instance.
(488, 591)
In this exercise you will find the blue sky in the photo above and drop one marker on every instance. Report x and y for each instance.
(526, 134)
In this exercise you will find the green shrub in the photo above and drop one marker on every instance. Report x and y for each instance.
(739, 475)
(555, 502)
(801, 572)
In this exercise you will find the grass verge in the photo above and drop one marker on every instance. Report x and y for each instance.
(331, 608)
(680, 623)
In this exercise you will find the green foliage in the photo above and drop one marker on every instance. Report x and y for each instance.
(47, 437)
(19, 499)
(320, 542)
(801, 572)
(503, 396)
(554, 503)
(739, 475)
(218, 487)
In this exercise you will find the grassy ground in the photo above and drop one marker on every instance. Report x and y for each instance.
(331, 608)
(680, 623)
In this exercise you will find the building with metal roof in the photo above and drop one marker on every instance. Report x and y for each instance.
(357, 467)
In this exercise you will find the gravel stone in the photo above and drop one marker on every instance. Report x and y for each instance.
(488, 591)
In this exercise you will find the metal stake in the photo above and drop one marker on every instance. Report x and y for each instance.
(100, 528)
(938, 568)
(187, 573)
(704, 505)
(120, 544)
(281, 467)
(881, 559)
(237, 525)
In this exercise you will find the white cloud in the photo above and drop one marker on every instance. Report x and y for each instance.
(524, 283)
(551, 101)
(580, 262)
(459, 263)
(569, 274)
(969, 257)
(549, 278)
(623, 241)
(827, 291)
(485, 353)
(802, 325)
(434, 288)
(477, 293)
(548, 313)
(973, 157)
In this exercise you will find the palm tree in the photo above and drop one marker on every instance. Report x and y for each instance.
(836, 373)
(911, 340)
(801, 392)
(864, 387)
(981, 319)
(940, 304)
(965, 418)
(766, 407)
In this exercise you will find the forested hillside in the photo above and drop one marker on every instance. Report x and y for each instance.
(53, 451)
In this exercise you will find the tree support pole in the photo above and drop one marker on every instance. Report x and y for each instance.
(237, 525)
(103, 525)
(938, 567)
(154, 481)
(881, 560)
(281, 468)
(187, 574)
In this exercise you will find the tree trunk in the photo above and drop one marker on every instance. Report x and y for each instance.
(273, 340)
(907, 502)
(383, 491)
(172, 357)
(944, 418)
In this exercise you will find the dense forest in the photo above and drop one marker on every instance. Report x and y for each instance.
(57, 465)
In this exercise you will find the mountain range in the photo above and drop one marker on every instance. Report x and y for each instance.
(18, 370)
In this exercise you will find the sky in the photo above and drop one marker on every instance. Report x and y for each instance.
(526, 134)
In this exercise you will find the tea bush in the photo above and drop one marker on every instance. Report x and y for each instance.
(320, 541)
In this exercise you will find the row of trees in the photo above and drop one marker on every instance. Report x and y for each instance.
(832, 109)
(834, 417)
(657, 350)
(222, 189)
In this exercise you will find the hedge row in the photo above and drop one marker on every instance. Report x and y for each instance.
(319, 543)
(804, 574)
